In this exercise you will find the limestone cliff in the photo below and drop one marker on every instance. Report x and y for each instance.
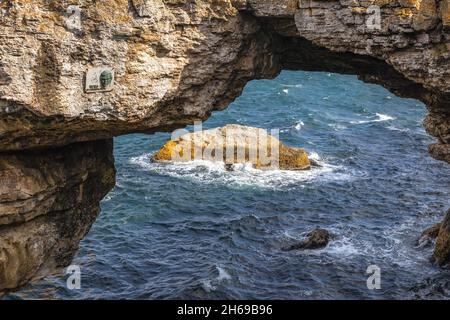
(177, 60)
(172, 62)
(48, 201)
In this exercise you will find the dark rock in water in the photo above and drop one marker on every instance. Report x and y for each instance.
(442, 250)
(428, 236)
(316, 239)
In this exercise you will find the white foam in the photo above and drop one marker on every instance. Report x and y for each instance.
(384, 117)
(398, 129)
(108, 197)
(298, 126)
(379, 118)
(337, 126)
(223, 274)
(314, 156)
(402, 253)
(243, 175)
(208, 286)
(286, 91)
(342, 247)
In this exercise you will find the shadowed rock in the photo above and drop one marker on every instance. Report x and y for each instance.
(428, 235)
(48, 202)
(442, 250)
(316, 239)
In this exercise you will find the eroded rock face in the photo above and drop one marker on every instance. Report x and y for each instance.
(175, 61)
(442, 250)
(48, 201)
(235, 144)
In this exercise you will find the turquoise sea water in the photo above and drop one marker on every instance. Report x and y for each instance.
(197, 231)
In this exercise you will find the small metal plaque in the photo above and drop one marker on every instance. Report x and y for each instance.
(99, 79)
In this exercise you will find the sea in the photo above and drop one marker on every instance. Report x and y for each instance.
(198, 231)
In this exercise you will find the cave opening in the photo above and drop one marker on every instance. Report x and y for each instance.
(197, 230)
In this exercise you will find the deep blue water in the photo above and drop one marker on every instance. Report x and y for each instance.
(198, 231)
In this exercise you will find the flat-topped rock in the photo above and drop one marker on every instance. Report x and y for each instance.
(235, 144)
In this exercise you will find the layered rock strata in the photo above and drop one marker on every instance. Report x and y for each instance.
(48, 201)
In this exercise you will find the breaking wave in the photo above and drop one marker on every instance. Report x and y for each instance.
(244, 175)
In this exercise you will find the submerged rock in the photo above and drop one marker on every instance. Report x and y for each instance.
(428, 235)
(235, 144)
(316, 239)
(442, 250)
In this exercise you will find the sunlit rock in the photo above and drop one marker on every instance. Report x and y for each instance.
(235, 144)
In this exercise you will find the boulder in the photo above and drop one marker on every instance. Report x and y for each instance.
(235, 144)
(316, 239)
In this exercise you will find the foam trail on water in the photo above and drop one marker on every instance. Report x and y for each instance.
(398, 129)
(384, 117)
(379, 118)
(293, 85)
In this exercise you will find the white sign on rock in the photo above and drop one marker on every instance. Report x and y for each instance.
(99, 79)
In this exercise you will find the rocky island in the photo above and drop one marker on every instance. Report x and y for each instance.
(235, 144)
(74, 77)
